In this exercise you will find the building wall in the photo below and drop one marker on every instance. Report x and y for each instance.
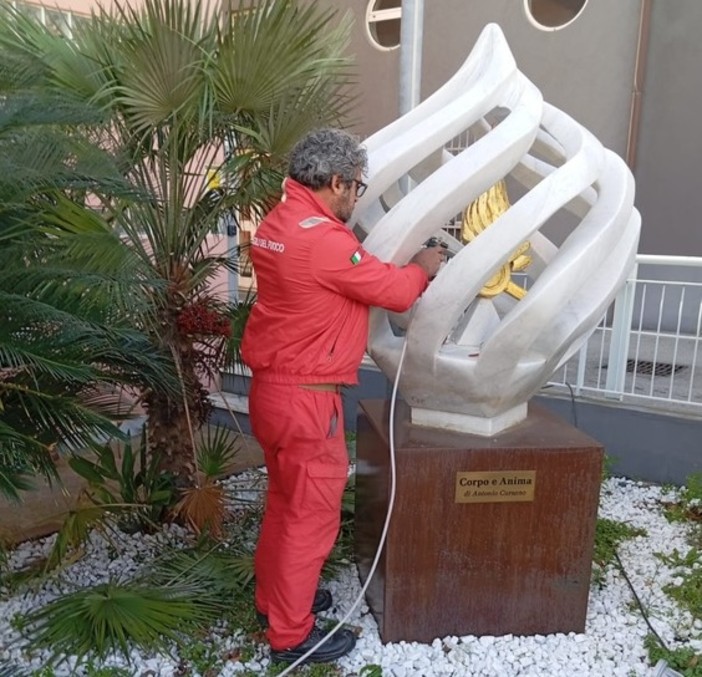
(378, 73)
(667, 171)
(375, 73)
(586, 69)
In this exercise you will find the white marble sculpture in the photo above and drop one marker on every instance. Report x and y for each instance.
(472, 362)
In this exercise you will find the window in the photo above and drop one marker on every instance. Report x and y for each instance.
(57, 20)
(383, 23)
(550, 15)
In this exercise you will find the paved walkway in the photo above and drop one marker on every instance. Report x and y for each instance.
(44, 509)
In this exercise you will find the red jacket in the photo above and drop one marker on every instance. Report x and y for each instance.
(315, 284)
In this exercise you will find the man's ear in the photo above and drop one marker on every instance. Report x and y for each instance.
(337, 185)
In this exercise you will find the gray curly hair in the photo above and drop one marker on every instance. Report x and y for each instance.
(317, 157)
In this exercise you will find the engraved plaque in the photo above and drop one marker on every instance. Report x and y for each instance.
(500, 486)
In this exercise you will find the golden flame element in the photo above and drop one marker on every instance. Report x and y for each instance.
(480, 214)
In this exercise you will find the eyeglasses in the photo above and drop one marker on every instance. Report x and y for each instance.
(360, 187)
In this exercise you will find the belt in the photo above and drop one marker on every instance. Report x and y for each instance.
(326, 387)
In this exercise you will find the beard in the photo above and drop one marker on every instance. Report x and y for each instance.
(343, 207)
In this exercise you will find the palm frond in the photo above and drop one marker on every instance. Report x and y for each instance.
(13, 482)
(42, 341)
(22, 43)
(219, 572)
(23, 357)
(32, 110)
(23, 455)
(216, 451)
(163, 64)
(202, 508)
(74, 532)
(53, 418)
(113, 617)
(238, 315)
(276, 46)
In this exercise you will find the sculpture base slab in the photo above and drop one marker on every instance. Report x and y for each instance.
(463, 423)
(518, 562)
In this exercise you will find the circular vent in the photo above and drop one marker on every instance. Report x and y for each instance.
(551, 15)
(383, 23)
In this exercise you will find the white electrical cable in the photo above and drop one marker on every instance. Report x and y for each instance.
(383, 534)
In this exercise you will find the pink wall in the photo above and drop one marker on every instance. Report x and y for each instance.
(217, 245)
(80, 6)
(87, 6)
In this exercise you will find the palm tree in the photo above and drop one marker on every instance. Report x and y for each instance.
(62, 346)
(184, 92)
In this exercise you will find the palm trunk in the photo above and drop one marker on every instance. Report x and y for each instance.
(169, 425)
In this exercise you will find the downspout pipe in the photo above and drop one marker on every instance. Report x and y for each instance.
(642, 42)
(411, 30)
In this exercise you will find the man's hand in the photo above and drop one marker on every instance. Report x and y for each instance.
(430, 259)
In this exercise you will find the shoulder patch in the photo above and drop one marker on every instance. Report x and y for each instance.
(313, 221)
(356, 257)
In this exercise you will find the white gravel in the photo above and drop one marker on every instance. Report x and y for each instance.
(611, 646)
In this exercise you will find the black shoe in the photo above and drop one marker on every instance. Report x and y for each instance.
(322, 602)
(336, 646)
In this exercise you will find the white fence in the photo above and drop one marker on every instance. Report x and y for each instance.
(646, 350)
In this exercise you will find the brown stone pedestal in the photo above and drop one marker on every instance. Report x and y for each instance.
(516, 558)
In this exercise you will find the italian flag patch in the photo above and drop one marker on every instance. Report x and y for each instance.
(356, 258)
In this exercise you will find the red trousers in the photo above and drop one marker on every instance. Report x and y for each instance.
(301, 432)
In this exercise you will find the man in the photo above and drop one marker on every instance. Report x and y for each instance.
(304, 339)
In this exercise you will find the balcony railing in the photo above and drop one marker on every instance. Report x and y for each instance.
(646, 350)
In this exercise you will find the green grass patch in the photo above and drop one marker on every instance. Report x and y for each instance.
(371, 670)
(607, 465)
(92, 671)
(683, 660)
(350, 436)
(199, 656)
(689, 505)
(688, 593)
(609, 534)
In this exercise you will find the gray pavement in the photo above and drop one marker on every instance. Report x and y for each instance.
(664, 372)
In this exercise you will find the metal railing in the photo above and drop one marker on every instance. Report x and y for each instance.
(646, 350)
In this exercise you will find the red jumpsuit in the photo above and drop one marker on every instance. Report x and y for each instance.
(309, 325)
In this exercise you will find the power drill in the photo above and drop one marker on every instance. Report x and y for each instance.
(434, 241)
